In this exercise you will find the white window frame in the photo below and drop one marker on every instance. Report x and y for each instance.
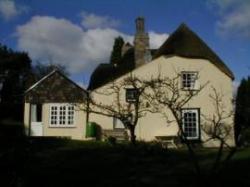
(193, 80)
(197, 126)
(67, 116)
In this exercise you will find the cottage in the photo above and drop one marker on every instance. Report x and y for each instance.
(50, 103)
(183, 53)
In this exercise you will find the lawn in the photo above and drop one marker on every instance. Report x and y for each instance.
(60, 162)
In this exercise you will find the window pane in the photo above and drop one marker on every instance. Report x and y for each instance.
(70, 115)
(53, 115)
(62, 116)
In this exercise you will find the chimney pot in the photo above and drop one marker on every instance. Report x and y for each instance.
(140, 25)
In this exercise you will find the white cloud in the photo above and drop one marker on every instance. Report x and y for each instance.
(236, 85)
(92, 21)
(49, 39)
(60, 41)
(234, 16)
(156, 39)
(9, 9)
(221, 4)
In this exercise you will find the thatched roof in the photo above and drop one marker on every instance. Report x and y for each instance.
(184, 42)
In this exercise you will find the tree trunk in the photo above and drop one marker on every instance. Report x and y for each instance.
(132, 134)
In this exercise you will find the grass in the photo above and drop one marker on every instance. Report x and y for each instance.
(61, 162)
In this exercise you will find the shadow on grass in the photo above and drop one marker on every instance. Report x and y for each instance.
(61, 162)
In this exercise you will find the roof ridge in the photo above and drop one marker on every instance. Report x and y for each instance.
(185, 42)
(48, 75)
(41, 80)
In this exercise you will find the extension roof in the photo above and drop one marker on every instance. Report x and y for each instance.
(55, 87)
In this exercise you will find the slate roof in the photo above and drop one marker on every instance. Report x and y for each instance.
(55, 87)
(105, 73)
(182, 42)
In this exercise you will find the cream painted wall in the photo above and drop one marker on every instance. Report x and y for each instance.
(76, 132)
(154, 124)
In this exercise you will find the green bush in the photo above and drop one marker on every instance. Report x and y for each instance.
(11, 130)
(245, 138)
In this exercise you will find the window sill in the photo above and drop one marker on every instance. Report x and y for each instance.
(130, 100)
(198, 140)
(190, 89)
(65, 126)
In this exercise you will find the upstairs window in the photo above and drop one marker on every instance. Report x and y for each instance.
(61, 115)
(190, 124)
(131, 95)
(189, 80)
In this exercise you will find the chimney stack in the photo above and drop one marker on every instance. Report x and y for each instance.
(141, 43)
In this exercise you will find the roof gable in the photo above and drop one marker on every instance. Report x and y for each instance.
(55, 87)
(184, 42)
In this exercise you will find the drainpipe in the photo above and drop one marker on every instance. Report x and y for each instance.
(87, 111)
(87, 114)
(29, 130)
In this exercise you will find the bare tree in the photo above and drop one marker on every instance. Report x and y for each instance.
(219, 127)
(168, 93)
(128, 111)
(168, 96)
(40, 69)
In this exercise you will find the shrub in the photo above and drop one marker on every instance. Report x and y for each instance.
(11, 130)
(111, 140)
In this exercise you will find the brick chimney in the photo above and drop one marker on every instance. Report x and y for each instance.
(141, 43)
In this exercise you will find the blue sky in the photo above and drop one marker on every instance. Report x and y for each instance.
(79, 34)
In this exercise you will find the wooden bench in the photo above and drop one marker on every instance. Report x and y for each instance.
(119, 134)
(167, 141)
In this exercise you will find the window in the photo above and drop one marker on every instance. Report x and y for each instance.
(190, 123)
(61, 115)
(117, 124)
(131, 95)
(189, 80)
